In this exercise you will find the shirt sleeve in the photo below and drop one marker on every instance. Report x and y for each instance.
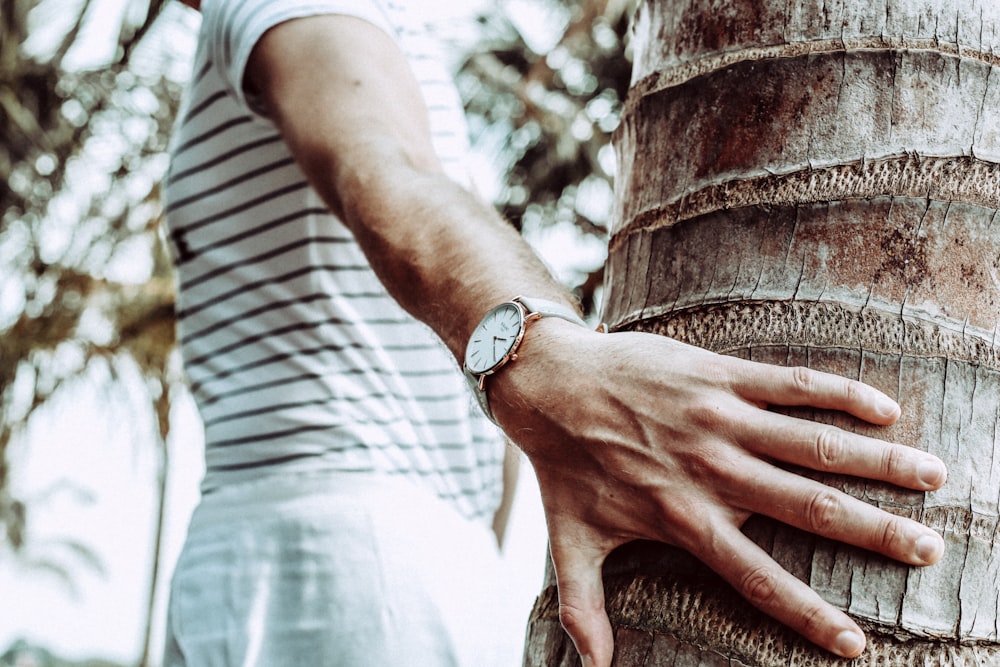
(231, 28)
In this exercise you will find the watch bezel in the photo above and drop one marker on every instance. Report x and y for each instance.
(511, 352)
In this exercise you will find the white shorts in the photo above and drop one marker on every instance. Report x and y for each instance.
(338, 569)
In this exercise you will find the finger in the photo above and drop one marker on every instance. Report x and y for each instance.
(830, 449)
(780, 595)
(819, 509)
(581, 601)
(799, 385)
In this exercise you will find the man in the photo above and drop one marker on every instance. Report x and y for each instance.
(312, 177)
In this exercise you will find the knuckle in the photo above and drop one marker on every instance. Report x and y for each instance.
(892, 462)
(716, 369)
(812, 621)
(893, 534)
(709, 464)
(804, 379)
(759, 586)
(571, 618)
(854, 391)
(822, 511)
(706, 416)
(831, 448)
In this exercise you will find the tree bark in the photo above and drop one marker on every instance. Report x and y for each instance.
(817, 183)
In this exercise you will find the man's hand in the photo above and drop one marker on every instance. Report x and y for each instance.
(654, 439)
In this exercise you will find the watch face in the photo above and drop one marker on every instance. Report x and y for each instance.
(494, 338)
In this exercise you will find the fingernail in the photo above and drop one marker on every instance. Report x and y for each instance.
(886, 407)
(931, 472)
(849, 644)
(929, 548)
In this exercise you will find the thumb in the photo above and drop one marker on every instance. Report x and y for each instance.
(581, 602)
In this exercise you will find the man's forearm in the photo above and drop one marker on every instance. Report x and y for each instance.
(358, 128)
(442, 253)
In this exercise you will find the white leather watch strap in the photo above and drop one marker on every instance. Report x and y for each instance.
(480, 394)
(547, 308)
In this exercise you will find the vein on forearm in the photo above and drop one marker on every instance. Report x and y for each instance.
(440, 251)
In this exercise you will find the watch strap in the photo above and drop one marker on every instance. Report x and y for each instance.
(480, 394)
(547, 308)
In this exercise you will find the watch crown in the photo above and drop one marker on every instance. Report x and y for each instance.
(513, 357)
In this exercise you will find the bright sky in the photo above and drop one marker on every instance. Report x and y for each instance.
(92, 450)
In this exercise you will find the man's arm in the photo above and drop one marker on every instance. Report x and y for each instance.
(631, 435)
(349, 107)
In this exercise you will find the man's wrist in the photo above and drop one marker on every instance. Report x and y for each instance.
(549, 361)
(496, 341)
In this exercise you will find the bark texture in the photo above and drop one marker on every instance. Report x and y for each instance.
(817, 183)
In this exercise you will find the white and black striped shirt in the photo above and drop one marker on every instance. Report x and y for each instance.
(298, 358)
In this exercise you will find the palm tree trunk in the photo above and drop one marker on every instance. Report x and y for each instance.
(817, 183)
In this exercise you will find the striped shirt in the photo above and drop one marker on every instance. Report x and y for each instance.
(297, 357)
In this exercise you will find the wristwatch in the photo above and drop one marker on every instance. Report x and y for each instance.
(495, 340)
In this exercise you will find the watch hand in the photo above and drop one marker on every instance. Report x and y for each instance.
(495, 339)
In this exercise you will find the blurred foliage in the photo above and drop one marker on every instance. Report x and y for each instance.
(84, 276)
(555, 104)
